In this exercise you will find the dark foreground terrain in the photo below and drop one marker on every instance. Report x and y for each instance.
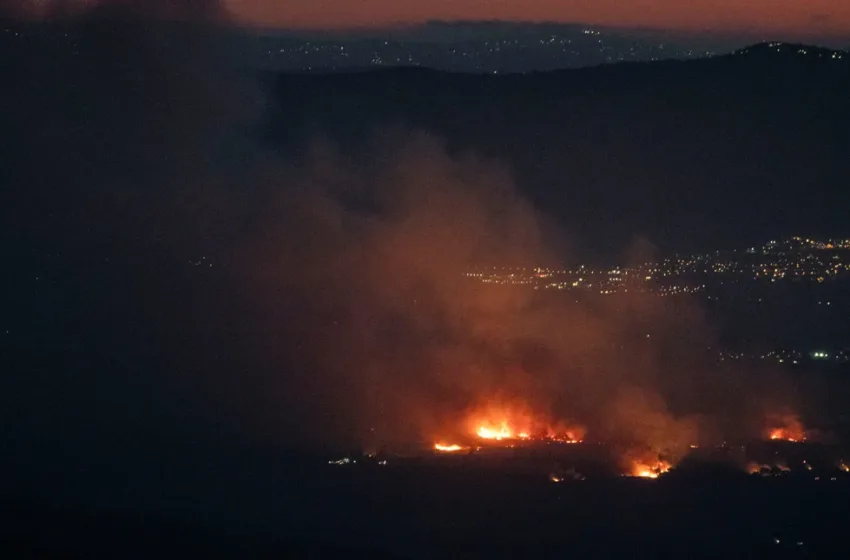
(419, 511)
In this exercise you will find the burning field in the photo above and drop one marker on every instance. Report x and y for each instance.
(576, 461)
(501, 424)
(512, 437)
(652, 448)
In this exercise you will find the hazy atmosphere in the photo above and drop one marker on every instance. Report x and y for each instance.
(212, 264)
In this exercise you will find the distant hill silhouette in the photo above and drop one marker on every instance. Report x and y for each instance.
(703, 153)
(789, 50)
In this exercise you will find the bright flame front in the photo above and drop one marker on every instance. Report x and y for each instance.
(447, 447)
(500, 423)
(498, 434)
(649, 469)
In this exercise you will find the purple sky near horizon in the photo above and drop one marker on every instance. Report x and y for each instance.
(799, 17)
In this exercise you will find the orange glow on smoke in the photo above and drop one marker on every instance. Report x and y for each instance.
(644, 463)
(782, 434)
(787, 428)
(778, 469)
(447, 448)
(566, 435)
(755, 468)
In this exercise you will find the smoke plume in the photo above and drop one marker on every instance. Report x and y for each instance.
(194, 280)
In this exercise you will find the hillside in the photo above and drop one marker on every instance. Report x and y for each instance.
(745, 145)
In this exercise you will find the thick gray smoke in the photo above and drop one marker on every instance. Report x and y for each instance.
(202, 283)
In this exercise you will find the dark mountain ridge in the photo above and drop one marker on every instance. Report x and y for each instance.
(705, 153)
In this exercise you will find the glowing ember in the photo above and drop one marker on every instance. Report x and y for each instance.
(757, 468)
(564, 440)
(447, 448)
(575, 435)
(778, 469)
(844, 467)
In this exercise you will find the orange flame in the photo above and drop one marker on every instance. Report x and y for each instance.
(504, 424)
(644, 463)
(565, 435)
(786, 427)
(499, 422)
(649, 469)
(500, 433)
(786, 435)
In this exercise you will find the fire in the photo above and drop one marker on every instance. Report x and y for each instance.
(652, 469)
(516, 421)
(505, 431)
(844, 466)
(497, 423)
(787, 435)
(789, 428)
(447, 448)
(569, 436)
(644, 463)
(502, 432)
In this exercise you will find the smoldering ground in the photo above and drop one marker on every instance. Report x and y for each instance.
(191, 282)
